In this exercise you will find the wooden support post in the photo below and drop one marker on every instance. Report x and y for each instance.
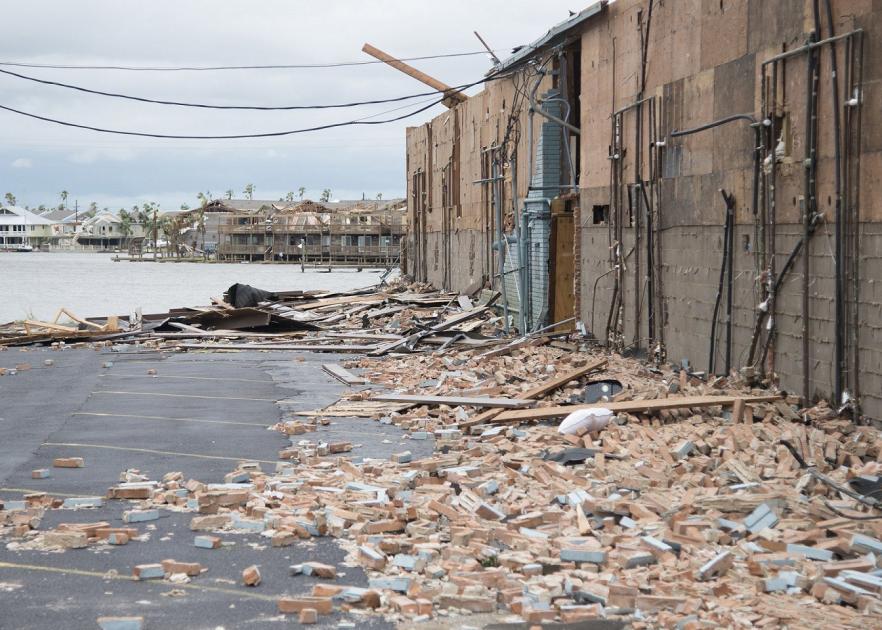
(452, 97)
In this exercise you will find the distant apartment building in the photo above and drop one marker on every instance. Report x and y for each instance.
(330, 233)
(20, 229)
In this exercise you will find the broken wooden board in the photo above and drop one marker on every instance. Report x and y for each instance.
(276, 346)
(342, 374)
(343, 299)
(354, 409)
(453, 401)
(447, 324)
(540, 390)
(632, 406)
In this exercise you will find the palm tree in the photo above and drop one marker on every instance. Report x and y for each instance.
(379, 196)
(229, 193)
(93, 209)
(301, 191)
(10, 199)
(289, 197)
(125, 225)
(64, 195)
(249, 191)
(326, 195)
(200, 222)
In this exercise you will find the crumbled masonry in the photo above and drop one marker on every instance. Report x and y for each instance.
(679, 517)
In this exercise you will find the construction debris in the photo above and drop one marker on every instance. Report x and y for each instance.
(694, 504)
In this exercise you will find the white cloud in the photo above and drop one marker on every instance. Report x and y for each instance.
(349, 160)
(22, 163)
(95, 154)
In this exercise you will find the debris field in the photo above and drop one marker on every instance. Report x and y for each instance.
(696, 502)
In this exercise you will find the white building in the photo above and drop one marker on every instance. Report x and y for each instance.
(20, 228)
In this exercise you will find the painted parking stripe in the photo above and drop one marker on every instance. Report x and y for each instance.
(157, 452)
(183, 395)
(128, 578)
(131, 415)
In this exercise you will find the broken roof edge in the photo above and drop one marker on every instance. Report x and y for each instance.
(552, 37)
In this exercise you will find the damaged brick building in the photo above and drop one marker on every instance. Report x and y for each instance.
(697, 181)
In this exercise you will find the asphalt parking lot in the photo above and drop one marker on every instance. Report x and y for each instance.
(200, 414)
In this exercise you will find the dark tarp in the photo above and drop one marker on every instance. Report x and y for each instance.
(243, 296)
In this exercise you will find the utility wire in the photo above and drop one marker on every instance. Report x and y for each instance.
(357, 122)
(340, 64)
(209, 106)
(225, 137)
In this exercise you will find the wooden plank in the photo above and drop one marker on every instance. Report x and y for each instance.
(559, 381)
(504, 403)
(632, 406)
(342, 300)
(276, 346)
(342, 374)
(540, 390)
(368, 336)
(353, 409)
(448, 323)
(30, 323)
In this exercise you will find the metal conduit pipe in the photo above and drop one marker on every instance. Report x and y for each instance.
(729, 232)
(810, 46)
(534, 106)
(839, 317)
(728, 226)
(809, 193)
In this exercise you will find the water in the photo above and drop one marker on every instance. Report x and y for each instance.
(37, 284)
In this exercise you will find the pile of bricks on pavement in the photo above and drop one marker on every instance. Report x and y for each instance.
(730, 514)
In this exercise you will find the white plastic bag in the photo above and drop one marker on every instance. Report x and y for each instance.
(587, 420)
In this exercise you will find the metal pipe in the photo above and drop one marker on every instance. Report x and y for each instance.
(773, 219)
(809, 197)
(499, 245)
(715, 123)
(839, 317)
(727, 227)
(650, 236)
(636, 103)
(534, 106)
(730, 278)
(810, 46)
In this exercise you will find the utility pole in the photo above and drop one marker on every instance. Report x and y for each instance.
(155, 229)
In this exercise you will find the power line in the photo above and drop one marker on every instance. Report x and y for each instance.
(211, 106)
(224, 137)
(339, 64)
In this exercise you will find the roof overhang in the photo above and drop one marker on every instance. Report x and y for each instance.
(555, 36)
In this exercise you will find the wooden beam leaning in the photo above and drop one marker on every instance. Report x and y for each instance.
(632, 406)
(277, 346)
(539, 391)
(483, 401)
(452, 97)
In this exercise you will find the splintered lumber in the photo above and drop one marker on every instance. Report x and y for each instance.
(447, 324)
(353, 409)
(633, 406)
(482, 401)
(342, 374)
(277, 346)
(540, 390)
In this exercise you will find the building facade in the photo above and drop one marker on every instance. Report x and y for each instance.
(313, 233)
(694, 180)
(20, 228)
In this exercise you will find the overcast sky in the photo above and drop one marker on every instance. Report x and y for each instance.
(38, 159)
